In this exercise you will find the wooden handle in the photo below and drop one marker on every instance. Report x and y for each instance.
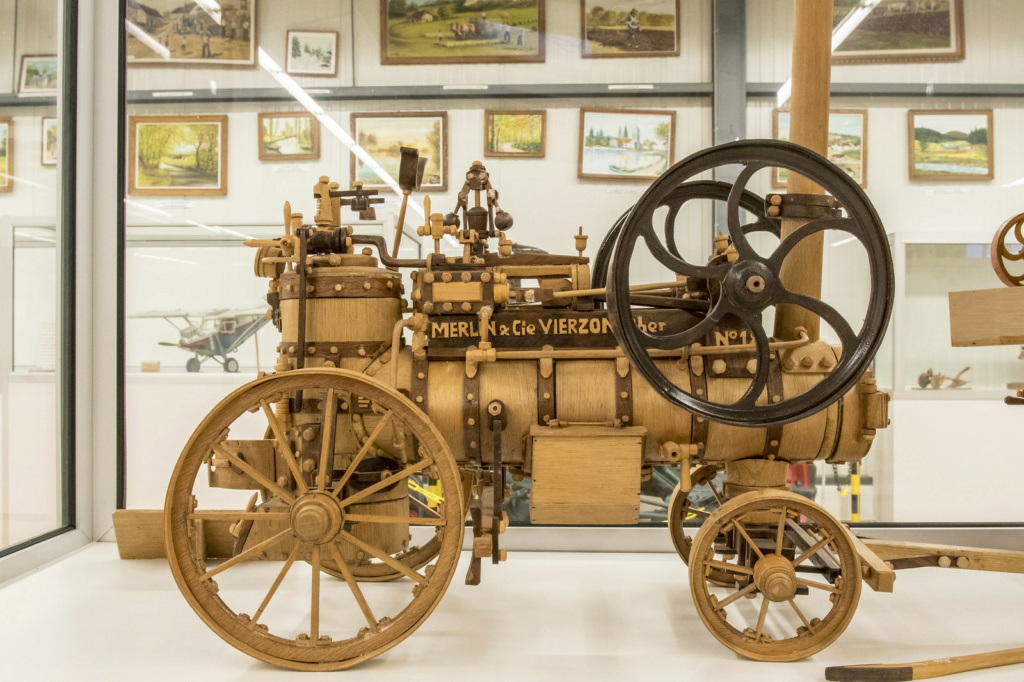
(923, 670)
(808, 126)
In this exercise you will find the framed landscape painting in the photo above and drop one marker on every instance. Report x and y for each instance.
(382, 135)
(847, 142)
(38, 76)
(178, 155)
(903, 31)
(49, 137)
(312, 53)
(6, 154)
(514, 133)
(950, 145)
(630, 28)
(626, 144)
(461, 31)
(168, 31)
(288, 137)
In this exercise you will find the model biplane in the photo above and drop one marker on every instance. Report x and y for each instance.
(211, 334)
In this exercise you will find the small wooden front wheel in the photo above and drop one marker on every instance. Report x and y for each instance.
(792, 555)
(1008, 247)
(261, 601)
(682, 509)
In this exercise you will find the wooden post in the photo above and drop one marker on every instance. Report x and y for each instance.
(808, 126)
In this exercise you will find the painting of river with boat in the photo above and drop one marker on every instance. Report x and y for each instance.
(627, 144)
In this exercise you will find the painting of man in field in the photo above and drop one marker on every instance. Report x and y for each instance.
(954, 145)
(630, 28)
(191, 32)
(178, 155)
(461, 31)
(903, 31)
(383, 135)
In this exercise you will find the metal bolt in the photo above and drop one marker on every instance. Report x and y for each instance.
(466, 276)
(446, 277)
(718, 366)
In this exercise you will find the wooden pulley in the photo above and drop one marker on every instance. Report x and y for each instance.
(1003, 252)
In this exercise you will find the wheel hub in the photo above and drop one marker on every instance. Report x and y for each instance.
(749, 285)
(775, 578)
(316, 518)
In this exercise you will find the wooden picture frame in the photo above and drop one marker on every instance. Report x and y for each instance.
(29, 85)
(779, 182)
(908, 11)
(488, 123)
(507, 34)
(191, 34)
(584, 134)
(657, 51)
(293, 68)
(44, 158)
(7, 158)
(956, 145)
(442, 145)
(138, 124)
(265, 155)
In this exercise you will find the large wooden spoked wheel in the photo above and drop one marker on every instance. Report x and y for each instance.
(778, 555)
(284, 614)
(681, 509)
(1005, 251)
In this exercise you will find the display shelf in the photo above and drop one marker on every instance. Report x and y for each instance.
(929, 265)
(869, 89)
(12, 100)
(376, 93)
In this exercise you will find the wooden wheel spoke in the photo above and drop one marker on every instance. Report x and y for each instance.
(223, 451)
(277, 583)
(228, 515)
(781, 533)
(742, 531)
(812, 550)
(760, 618)
(244, 556)
(362, 453)
(714, 491)
(696, 512)
(803, 619)
(412, 521)
(314, 607)
(327, 431)
(384, 557)
(390, 480)
(732, 568)
(818, 586)
(736, 595)
(354, 586)
(286, 448)
(426, 508)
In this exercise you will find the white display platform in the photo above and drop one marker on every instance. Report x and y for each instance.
(541, 616)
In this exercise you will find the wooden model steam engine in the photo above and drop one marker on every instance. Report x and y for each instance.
(367, 454)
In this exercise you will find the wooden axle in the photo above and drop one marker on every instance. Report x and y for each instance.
(923, 670)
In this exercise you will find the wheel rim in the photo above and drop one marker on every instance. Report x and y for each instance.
(339, 623)
(681, 510)
(801, 624)
(1002, 256)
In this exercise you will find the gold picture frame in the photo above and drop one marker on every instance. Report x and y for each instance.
(48, 153)
(836, 156)
(490, 138)
(629, 149)
(958, 148)
(300, 141)
(370, 130)
(615, 42)
(6, 155)
(911, 13)
(182, 167)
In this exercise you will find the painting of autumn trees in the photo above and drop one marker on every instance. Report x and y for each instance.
(514, 133)
(178, 155)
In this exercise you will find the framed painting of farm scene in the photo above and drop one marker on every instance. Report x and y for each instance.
(312, 53)
(38, 76)
(288, 137)
(178, 155)
(514, 133)
(626, 144)
(630, 28)
(49, 136)
(461, 32)
(189, 32)
(847, 142)
(903, 31)
(6, 154)
(950, 145)
(383, 134)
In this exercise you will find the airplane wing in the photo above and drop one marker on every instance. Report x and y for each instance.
(197, 313)
(260, 309)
